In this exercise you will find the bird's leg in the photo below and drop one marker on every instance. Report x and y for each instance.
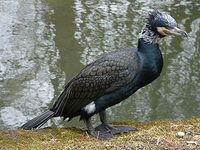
(113, 129)
(103, 117)
(97, 133)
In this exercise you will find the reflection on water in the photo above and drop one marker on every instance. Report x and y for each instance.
(30, 72)
(101, 27)
(184, 94)
(27, 61)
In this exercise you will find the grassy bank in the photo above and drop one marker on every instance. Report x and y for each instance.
(151, 135)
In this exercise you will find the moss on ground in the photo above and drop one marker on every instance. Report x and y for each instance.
(151, 135)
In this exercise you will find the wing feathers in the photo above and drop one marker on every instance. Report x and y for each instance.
(107, 74)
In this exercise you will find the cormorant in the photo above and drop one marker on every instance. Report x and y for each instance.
(112, 78)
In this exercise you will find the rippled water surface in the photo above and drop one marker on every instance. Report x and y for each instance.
(44, 43)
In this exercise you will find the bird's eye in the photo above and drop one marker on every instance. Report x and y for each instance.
(167, 26)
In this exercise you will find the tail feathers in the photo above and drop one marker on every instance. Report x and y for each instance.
(38, 121)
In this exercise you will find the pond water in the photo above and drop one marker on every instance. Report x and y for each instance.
(44, 43)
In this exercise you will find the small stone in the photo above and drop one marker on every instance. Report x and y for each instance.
(180, 134)
(192, 142)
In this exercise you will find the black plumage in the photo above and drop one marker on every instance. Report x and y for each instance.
(107, 74)
(112, 78)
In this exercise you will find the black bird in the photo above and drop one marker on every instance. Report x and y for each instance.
(112, 78)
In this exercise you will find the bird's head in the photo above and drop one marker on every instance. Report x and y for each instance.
(160, 25)
(164, 24)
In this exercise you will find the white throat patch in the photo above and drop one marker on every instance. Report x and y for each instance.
(90, 108)
(149, 36)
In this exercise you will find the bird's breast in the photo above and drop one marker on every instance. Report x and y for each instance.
(150, 69)
(148, 75)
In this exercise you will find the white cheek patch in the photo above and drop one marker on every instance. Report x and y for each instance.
(90, 108)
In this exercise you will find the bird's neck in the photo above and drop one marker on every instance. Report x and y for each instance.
(148, 35)
(151, 61)
(149, 52)
(148, 41)
(147, 48)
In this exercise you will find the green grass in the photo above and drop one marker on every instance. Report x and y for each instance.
(151, 135)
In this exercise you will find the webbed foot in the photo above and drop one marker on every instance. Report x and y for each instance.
(105, 131)
(101, 134)
(114, 129)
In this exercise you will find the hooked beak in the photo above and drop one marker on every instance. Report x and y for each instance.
(175, 31)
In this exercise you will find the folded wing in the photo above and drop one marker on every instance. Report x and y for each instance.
(110, 72)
